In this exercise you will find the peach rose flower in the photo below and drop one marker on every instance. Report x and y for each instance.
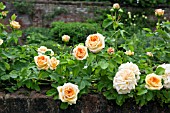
(131, 66)
(110, 50)
(42, 50)
(95, 42)
(80, 52)
(42, 62)
(54, 63)
(159, 12)
(15, 24)
(116, 6)
(149, 54)
(1, 41)
(124, 81)
(130, 53)
(65, 38)
(68, 93)
(153, 82)
(166, 76)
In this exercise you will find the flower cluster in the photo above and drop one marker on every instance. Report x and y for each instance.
(43, 61)
(126, 78)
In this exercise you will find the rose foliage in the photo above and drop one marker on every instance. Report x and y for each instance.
(137, 68)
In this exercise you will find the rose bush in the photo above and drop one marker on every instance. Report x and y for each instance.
(92, 66)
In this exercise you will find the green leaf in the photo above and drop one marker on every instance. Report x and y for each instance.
(142, 91)
(147, 29)
(103, 64)
(2, 6)
(149, 96)
(160, 71)
(51, 92)
(7, 66)
(107, 23)
(5, 77)
(82, 85)
(64, 105)
(13, 17)
(118, 59)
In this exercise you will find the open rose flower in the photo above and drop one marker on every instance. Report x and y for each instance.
(166, 76)
(1, 41)
(116, 6)
(133, 67)
(95, 42)
(15, 24)
(153, 82)
(42, 50)
(54, 63)
(124, 81)
(80, 52)
(130, 53)
(159, 12)
(65, 38)
(68, 93)
(42, 62)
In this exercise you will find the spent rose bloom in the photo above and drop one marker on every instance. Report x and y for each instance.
(116, 6)
(53, 63)
(1, 41)
(159, 12)
(166, 76)
(4, 13)
(15, 24)
(124, 81)
(133, 67)
(130, 53)
(110, 50)
(153, 82)
(95, 42)
(68, 93)
(42, 62)
(149, 54)
(80, 52)
(65, 38)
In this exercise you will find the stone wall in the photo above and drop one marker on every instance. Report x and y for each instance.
(67, 11)
(24, 101)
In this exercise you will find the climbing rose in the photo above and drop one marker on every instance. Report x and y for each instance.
(95, 42)
(68, 93)
(80, 52)
(153, 82)
(15, 24)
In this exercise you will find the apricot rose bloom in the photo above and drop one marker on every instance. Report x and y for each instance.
(15, 24)
(110, 50)
(54, 63)
(68, 93)
(80, 52)
(41, 50)
(130, 53)
(131, 66)
(95, 42)
(159, 12)
(149, 54)
(153, 82)
(65, 38)
(116, 6)
(124, 81)
(1, 41)
(42, 62)
(166, 76)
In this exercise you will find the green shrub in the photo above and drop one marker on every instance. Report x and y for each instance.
(78, 32)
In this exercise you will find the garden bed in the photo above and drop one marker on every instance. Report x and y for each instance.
(24, 101)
